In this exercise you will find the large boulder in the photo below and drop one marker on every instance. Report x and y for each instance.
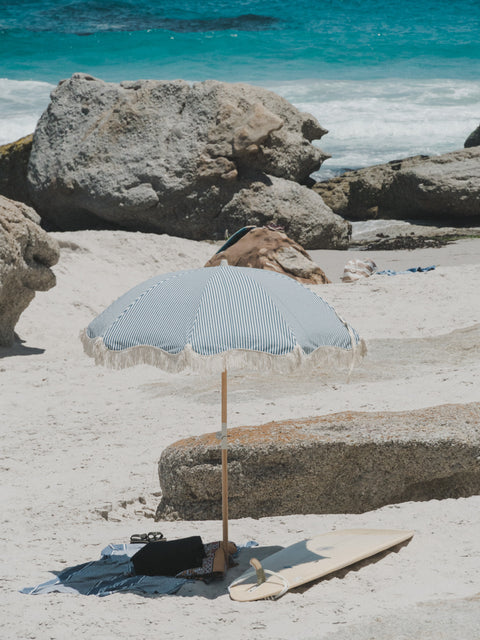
(26, 254)
(168, 156)
(14, 159)
(444, 187)
(363, 194)
(341, 463)
(473, 139)
(262, 248)
(298, 209)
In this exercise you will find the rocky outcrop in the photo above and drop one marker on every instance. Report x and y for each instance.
(445, 187)
(340, 463)
(363, 194)
(13, 169)
(273, 250)
(26, 254)
(473, 139)
(299, 210)
(176, 158)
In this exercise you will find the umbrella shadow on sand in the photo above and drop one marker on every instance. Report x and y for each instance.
(356, 566)
(216, 588)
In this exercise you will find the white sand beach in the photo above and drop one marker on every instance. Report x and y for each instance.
(81, 443)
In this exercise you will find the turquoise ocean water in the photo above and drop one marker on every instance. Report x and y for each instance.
(387, 79)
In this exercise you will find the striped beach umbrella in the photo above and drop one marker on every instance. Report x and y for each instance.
(221, 318)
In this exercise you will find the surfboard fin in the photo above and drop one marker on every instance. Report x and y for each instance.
(258, 570)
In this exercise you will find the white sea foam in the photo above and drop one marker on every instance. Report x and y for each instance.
(375, 121)
(21, 105)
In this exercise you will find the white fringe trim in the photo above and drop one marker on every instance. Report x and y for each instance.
(326, 357)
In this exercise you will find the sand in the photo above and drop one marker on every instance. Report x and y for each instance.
(80, 446)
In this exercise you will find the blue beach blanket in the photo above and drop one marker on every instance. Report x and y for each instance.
(390, 272)
(111, 574)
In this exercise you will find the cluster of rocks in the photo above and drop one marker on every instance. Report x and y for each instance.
(169, 157)
(198, 160)
(201, 160)
(187, 160)
(340, 463)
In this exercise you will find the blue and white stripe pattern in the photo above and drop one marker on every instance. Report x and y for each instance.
(217, 311)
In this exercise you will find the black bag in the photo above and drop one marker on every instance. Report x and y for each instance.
(168, 558)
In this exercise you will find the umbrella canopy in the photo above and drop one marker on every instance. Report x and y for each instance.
(218, 318)
(221, 316)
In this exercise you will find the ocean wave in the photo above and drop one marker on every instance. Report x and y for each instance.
(21, 105)
(372, 122)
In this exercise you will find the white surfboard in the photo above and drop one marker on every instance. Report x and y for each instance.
(311, 559)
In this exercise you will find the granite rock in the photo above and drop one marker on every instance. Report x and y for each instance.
(281, 201)
(341, 463)
(26, 254)
(362, 194)
(444, 187)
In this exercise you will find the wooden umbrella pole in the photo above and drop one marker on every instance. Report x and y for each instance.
(224, 467)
